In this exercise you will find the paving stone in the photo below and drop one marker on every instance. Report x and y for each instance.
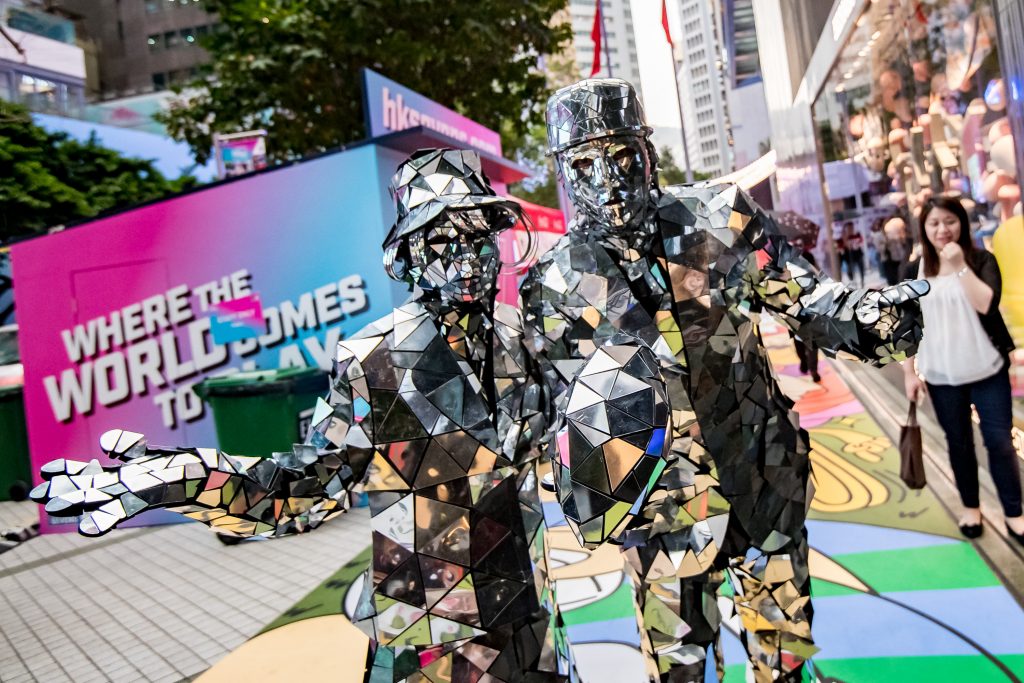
(153, 604)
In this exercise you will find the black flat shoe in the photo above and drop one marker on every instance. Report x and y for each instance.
(973, 530)
(1015, 536)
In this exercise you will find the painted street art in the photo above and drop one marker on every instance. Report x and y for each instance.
(898, 596)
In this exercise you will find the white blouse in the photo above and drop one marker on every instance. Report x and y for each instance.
(955, 348)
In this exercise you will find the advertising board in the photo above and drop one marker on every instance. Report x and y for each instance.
(121, 317)
(391, 107)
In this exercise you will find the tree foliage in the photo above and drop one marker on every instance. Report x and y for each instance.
(542, 185)
(669, 172)
(48, 179)
(293, 67)
(532, 152)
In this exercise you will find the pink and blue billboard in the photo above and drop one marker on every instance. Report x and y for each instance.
(121, 317)
(390, 107)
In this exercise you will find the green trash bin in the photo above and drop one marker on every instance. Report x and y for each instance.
(262, 412)
(15, 467)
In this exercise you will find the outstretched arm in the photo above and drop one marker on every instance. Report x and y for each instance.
(244, 496)
(875, 327)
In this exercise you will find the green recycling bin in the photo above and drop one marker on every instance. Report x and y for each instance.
(15, 467)
(263, 412)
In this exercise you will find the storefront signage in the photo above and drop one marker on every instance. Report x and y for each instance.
(240, 153)
(391, 107)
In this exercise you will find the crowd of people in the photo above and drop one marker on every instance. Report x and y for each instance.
(889, 247)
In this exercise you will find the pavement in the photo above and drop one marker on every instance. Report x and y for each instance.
(898, 594)
(155, 604)
(19, 521)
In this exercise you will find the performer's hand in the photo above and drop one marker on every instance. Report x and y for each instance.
(71, 488)
(106, 496)
(902, 296)
(893, 315)
(905, 292)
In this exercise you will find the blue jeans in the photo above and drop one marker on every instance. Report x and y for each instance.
(991, 396)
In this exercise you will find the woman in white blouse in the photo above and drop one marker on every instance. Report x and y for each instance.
(964, 359)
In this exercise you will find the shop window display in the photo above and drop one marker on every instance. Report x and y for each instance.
(917, 102)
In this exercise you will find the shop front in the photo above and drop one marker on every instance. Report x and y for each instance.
(915, 105)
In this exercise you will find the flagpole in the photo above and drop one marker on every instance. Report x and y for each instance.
(604, 39)
(682, 122)
(675, 82)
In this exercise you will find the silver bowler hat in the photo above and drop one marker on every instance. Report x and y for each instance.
(593, 108)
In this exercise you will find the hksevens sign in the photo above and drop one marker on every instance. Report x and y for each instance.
(390, 107)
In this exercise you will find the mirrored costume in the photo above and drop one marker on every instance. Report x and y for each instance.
(685, 275)
(436, 412)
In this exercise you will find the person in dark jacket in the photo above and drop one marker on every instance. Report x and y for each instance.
(806, 351)
(853, 252)
(964, 360)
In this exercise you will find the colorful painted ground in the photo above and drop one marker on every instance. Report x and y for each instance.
(897, 595)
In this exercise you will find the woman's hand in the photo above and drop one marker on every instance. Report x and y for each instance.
(953, 256)
(914, 387)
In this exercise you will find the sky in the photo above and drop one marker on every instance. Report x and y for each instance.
(653, 57)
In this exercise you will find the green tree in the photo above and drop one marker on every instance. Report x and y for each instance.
(542, 185)
(293, 66)
(48, 179)
(669, 172)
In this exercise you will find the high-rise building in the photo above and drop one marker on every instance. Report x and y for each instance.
(749, 124)
(143, 45)
(740, 38)
(702, 85)
(721, 96)
(41, 66)
(618, 49)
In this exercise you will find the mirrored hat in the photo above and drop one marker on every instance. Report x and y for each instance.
(433, 181)
(593, 108)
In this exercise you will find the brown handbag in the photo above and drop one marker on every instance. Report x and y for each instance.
(911, 454)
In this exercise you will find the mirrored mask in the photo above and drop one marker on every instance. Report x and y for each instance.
(457, 256)
(608, 179)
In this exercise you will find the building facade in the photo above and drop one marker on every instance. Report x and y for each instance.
(618, 50)
(702, 86)
(142, 46)
(41, 66)
(744, 85)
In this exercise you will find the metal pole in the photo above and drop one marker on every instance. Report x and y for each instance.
(17, 46)
(682, 122)
(604, 38)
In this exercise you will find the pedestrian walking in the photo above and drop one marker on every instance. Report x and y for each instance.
(896, 248)
(876, 238)
(806, 351)
(964, 360)
(853, 252)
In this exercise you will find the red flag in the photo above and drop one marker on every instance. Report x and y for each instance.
(595, 35)
(664, 23)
